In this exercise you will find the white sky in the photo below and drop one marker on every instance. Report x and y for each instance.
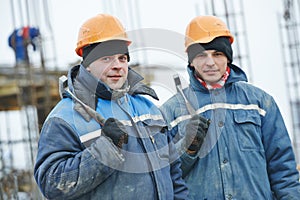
(261, 24)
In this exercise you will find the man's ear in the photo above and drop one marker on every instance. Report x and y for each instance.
(192, 65)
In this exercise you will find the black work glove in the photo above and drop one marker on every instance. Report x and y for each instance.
(196, 130)
(116, 131)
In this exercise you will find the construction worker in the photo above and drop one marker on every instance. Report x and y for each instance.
(104, 140)
(20, 39)
(245, 151)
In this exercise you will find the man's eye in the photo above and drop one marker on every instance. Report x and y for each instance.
(219, 54)
(106, 59)
(201, 55)
(123, 58)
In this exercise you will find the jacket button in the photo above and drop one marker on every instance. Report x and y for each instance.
(229, 196)
(225, 161)
(221, 124)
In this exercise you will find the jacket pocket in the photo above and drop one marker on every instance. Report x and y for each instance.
(248, 130)
(157, 131)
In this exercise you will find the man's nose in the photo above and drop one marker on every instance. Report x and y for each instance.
(210, 60)
(115, 63)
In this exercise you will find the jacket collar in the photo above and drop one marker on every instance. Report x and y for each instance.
(236, 74)
(133, 85)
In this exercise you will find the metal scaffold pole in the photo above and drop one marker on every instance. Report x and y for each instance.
(290, 36)
(28, 91)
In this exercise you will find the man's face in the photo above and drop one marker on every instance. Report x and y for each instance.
(112, 70)
(210, 65)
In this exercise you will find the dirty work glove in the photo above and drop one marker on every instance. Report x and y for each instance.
(196, 130)
(116, 131)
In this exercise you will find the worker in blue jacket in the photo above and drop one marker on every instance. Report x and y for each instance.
(232, 140)
(20, 39)
(104, 140)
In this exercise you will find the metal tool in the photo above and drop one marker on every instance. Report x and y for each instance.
(179, 89)
(63, 88)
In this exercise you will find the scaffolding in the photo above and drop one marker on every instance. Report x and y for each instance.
(289, 22)
(28, 91)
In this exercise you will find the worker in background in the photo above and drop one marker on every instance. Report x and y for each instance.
(128, 155)
(246, 153)
(20, 39)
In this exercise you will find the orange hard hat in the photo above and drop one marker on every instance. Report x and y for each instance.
(203, 29)
(102, 27)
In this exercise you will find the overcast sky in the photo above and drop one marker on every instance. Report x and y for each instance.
(66, 16)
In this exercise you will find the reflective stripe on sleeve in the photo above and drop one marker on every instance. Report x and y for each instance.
(88, 137)
(141, 118)
(217, 106)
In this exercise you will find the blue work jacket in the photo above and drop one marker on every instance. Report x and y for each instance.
(76, 161)
(247, 153)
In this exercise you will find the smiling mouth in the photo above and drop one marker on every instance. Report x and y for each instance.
(210, 71)
(115, 77)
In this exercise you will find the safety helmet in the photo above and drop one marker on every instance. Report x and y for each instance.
(102, 27)
(204, 29)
